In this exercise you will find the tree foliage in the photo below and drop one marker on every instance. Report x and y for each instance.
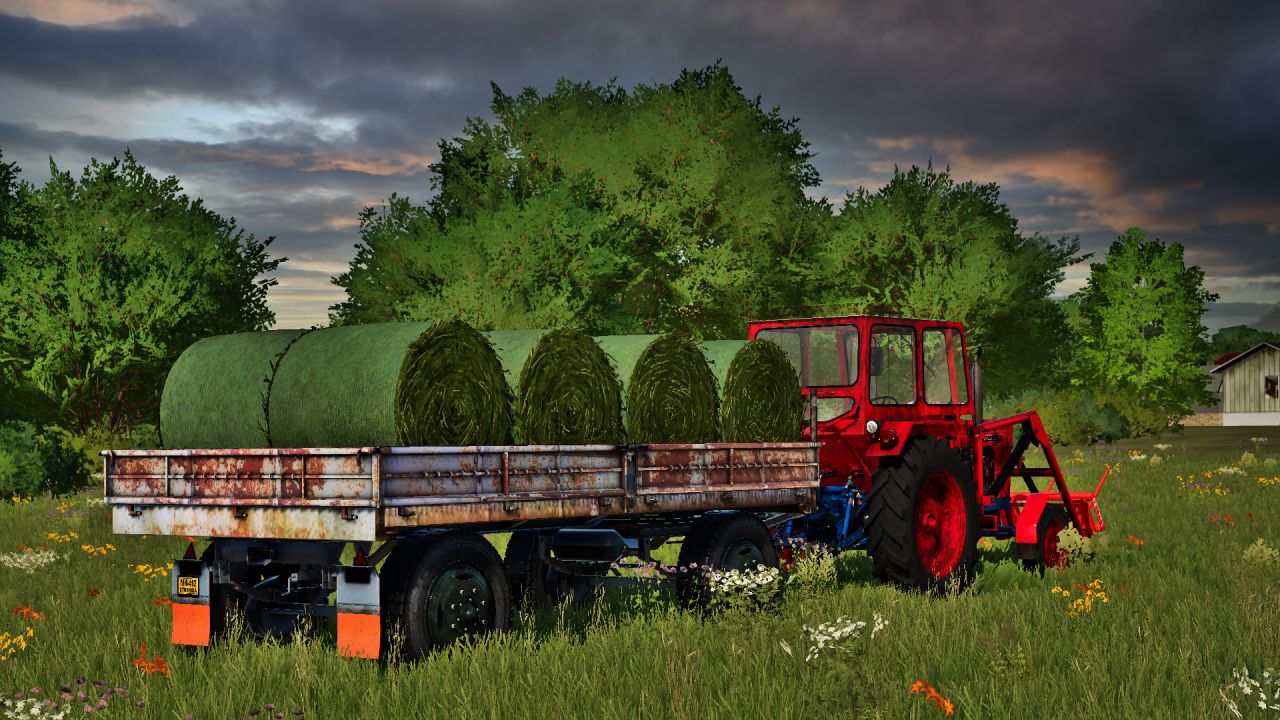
(925, 246)
(673, 206)
(105, 279)
(1140, 337)
(1238, 338)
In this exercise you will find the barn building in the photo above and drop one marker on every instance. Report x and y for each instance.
(1250, 386)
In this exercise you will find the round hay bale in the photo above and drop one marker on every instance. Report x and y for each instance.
(719, 355)
(760, 399)
(391, 384)
(568, 393)
(669, 387)
(216, 394)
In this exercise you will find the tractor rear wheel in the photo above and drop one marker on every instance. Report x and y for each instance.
(922, 519)
(443, 587)
(1045, 553)
(719, 542)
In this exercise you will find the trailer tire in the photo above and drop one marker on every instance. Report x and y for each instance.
(922, 519)
(226, 606)
(718, 542)
(442, 587)
(536, 586)
(1045, 553)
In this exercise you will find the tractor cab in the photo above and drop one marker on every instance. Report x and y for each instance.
(873, 373)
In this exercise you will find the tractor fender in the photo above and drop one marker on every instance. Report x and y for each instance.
(1029, 518)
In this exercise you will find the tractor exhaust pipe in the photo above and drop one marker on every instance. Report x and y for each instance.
(977, 387)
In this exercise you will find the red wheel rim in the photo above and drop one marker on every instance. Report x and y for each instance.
(1049, 544)
(941, 525)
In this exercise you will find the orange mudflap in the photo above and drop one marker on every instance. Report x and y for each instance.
(190, 624)
(359, 635)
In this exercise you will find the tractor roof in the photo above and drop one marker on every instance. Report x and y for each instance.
(837, 319)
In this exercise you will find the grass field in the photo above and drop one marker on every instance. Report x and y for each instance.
(1187, 603)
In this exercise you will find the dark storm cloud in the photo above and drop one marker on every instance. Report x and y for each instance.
(1092, 118)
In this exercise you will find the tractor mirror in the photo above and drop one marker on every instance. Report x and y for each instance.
(876, 360)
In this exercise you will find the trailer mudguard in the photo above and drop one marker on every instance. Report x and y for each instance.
(192, 620)
(359, 612)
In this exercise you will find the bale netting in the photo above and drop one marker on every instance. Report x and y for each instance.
(391, 384)
(760, 399)
(568, 393)
(216, 393)
(670, 390)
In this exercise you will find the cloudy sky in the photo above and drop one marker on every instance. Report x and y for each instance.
(291, 115)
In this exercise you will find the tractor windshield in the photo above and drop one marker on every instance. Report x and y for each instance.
(824, 357)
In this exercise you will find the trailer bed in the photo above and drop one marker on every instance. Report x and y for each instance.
(372, 493)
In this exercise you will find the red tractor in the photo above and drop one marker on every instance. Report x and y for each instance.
(910, 470)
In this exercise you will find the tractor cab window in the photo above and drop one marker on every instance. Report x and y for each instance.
(945, 382)
(823, 357)
(892, 356)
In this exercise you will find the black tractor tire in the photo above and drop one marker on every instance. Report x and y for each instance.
(1045, 554)
(903, 505)
(721, 541)
(442, 587)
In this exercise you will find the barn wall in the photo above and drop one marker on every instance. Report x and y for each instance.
(1242, 384)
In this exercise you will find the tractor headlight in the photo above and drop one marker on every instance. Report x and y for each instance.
(873, 427)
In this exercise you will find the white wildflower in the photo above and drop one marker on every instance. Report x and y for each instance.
(827, 635)
(29, 562)
(881, 624)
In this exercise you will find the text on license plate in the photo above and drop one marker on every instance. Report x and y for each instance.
(189, 586)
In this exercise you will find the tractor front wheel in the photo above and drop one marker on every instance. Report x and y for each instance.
(1046, 553)
(922, 519)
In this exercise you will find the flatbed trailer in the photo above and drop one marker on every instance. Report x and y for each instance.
(279, 519)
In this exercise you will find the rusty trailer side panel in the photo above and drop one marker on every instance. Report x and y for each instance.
(372, 493)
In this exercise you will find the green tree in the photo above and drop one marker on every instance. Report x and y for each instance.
(105, 281)
(18, 399)
(1141, 340)
(674, 206)
(1238, 338)
(925, 246)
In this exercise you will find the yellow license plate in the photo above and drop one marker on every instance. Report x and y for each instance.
(189, 586)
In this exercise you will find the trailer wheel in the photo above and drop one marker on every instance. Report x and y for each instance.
(441, 588)
(720, 542)
(922, 519)
(1045, 553)
(535, 586)
(224, 602)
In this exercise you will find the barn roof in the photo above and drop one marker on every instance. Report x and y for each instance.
(1240, 356)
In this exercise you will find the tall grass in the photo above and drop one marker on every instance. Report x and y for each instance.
(1184, 608)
